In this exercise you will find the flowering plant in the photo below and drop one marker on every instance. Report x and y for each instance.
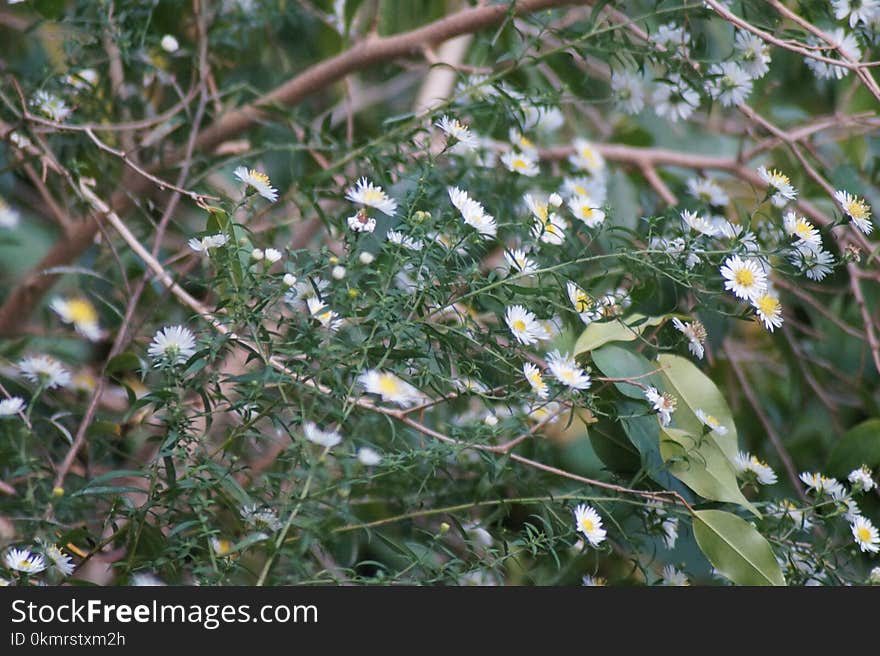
(585, 293)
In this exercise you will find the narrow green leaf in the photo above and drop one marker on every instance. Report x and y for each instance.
(736, 549)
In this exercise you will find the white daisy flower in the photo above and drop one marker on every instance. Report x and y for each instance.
(172, 345)
(628, 88)
(768, 309)
(550, 230)
(662, 404)
(45, 371)
(754, 54)
(858, 11)
(711, 422)
(593, 581)
(587, 210)
(144, 579)
(814, 263)
(588, 522)
(856, 209)
(83, 80)
(51, 106)
(261, 518)
(272, 255)
(361, 222)
(326, 438)
(521, 141)
(60, 560)
(659, 521)
(707, 191)
(458, 131)
(821, 484)
(389, 387)
(370, 195)
(472, 212)
(11, 406)
(520, 262)
(587, 157)
(731, 84)
(674, 38)
(396, 237)
(699, 223)
(169, 43)
(523, 325)
(9, 217)
(81, 313)
(552, 327)
(748, 465)
(865, 534)
(582, 302)
(745, 278)
(366, 258)
(221, 546)
(859, 478)
(535, 380)
(544, 412)
(799, 228)
(22, 560)
(845, 44)
(326, 317)
(205, 244)
(874, 576)
(596, 187)
(672, 577)
(368, 457)
(787, 509)
(566, 371)
(696, 334)
(674, 98)
(257, 181)
(781, 183)
(522, 162)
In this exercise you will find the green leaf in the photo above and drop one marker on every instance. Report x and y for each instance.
(644, 433)
(859, 446)
(123, 362)
(618, 362)
(619, 330)
(736, 549)
(696, 391)
(701, 465)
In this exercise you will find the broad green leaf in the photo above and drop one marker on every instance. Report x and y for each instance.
(618, 362)
(859, 446)
(620, 330)
(613, 448)
(701, 465)
(696, 391)
(644, 433)
(736, 549)
(123, 362)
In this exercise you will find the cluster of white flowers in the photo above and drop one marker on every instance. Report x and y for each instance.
(32, 561)
(865, 534)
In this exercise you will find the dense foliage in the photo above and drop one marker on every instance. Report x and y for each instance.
(587, 294)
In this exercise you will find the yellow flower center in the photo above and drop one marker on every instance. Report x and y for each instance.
(580, 190)
(589, 155)
(858, 209)
(714, 423)
(582, 301)
(768, 305)
(745, 278)
(519, 164)
(864, 534)
(803, 229)
(223, 547)
(586, 212)
(567, 376)
(388, 385)
(81, 311)
(541, 211)
(373, 196)
(777, 178)
(526, 143)
(587, 524)
(519, 325)
(260, 177)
